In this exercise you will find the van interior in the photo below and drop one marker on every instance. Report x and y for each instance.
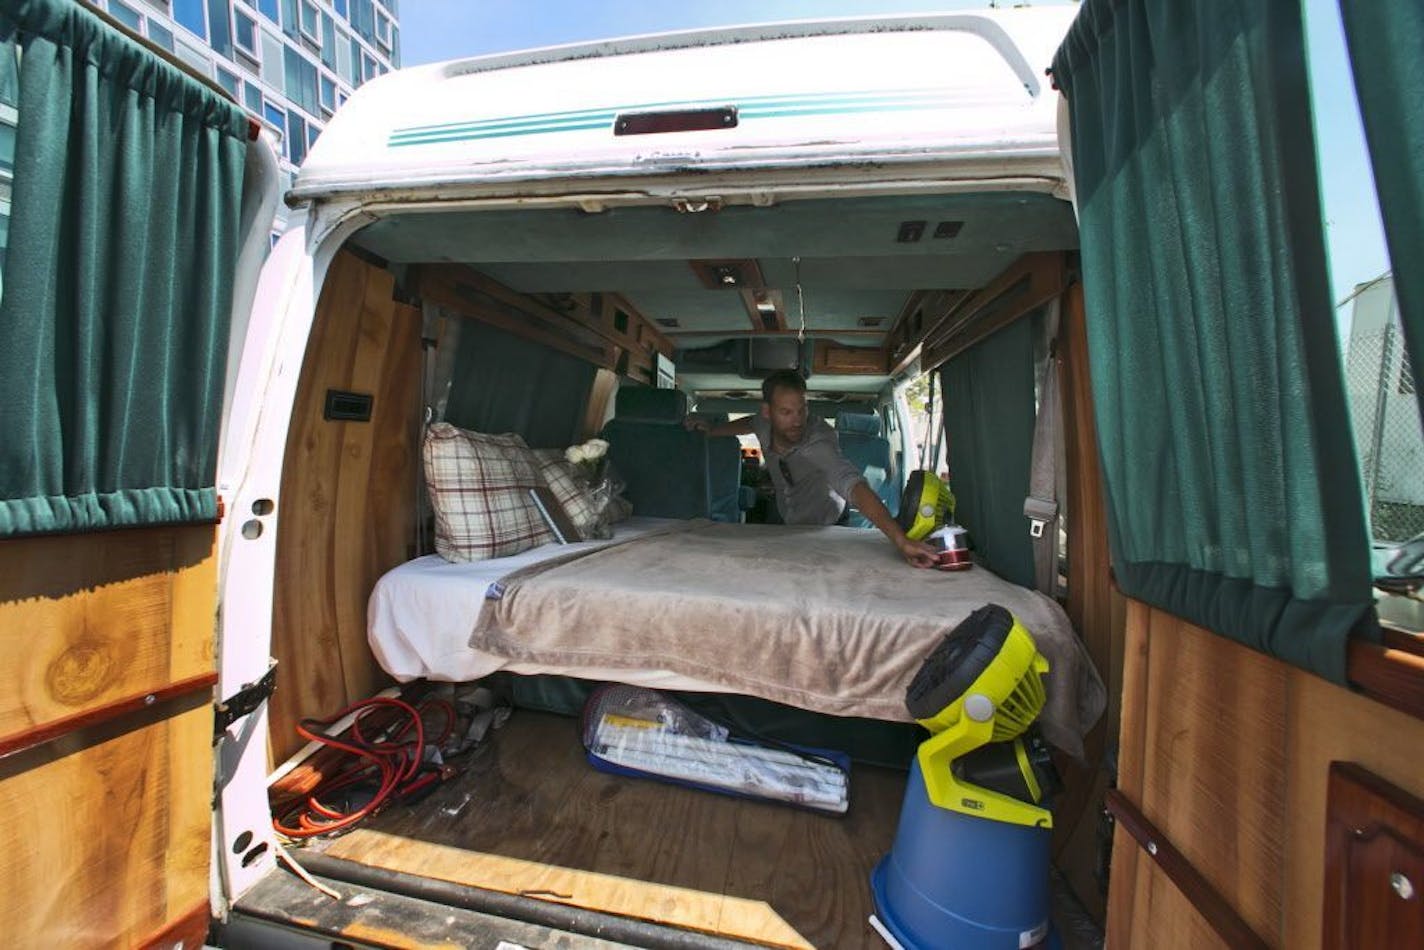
(542, 323)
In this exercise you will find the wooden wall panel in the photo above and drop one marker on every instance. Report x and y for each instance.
(89, 619)
(1228, 752)
(104, 844)
(346, 509)
(1096, 609)
(105, 834)
(1328, 724)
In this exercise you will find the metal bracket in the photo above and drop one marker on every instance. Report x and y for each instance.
(244, 701)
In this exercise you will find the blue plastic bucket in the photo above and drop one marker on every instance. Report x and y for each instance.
(955, 882)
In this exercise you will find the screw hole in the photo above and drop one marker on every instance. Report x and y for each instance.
(240, 843)
(263, 506)
(252, 530)
(251, 857)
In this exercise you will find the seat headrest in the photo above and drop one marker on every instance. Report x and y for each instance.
(647, 404)
(865, 423)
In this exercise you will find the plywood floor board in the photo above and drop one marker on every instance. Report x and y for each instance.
(531, 814)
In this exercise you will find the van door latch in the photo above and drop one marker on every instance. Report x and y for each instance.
(244, 701)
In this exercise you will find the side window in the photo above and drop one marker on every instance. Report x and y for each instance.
(9, 118)
(1379, 380)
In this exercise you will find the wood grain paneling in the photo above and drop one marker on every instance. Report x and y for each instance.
(346, 509)
(1374, 862)
(1229, 752)
(86, 620)
(105, 835)
(1096, 609)
(530, 815)
(105, 843)
(1331, 724)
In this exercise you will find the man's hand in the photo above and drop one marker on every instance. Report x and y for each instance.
(918, 553)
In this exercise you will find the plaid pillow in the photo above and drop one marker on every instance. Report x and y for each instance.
(479, 487)
(568, 487)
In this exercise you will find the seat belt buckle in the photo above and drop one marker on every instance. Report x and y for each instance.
(1039, 512)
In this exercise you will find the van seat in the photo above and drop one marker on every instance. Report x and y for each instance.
(861, 443)
(724, 473)
(664, 465)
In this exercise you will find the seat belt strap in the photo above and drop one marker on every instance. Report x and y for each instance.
(1041, 505)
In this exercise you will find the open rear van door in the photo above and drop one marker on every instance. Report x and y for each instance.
(139, 215)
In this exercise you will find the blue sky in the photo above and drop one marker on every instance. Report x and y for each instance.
(436, 30)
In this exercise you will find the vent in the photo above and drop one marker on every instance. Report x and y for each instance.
(870, 321)
(669, 322)
(948, 229)
(342, 406)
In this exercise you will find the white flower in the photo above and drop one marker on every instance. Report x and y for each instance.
(576, 454)
(595, 449)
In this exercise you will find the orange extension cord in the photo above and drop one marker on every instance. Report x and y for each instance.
(397, 760)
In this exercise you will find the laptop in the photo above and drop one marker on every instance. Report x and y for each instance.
(554, 515)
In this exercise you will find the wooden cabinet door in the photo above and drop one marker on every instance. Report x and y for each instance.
(1374, 863)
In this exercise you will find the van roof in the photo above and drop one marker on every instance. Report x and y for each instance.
(897, 90)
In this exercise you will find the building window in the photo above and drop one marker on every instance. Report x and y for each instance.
(343, 58)
(383, 31)
(311, 21)
(195, 56)
(1406, 377)
(301, 81)
(391, 6)
(244, 30)
(290, 22)
(230, 82)
(193, 15)
(296, 138)
(275, 115)
(328, 93)
(252, 98)
(395, 46)
(273, 71)
(368, 67)
(269, 9)
(160, 34)
(313, 133)
(126, 15)
(341, 11)
(328, 40)
(220, 27)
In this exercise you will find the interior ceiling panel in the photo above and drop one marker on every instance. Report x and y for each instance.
(707, 310)
(864, 227)
(854, 263)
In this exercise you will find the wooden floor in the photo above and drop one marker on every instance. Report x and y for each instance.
(530, 796)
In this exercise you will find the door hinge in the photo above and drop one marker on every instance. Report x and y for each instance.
(244, 701)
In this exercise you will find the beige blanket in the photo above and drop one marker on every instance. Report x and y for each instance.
(826, 619)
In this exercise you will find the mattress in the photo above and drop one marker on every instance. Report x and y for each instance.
(420, 615)
(825, 619)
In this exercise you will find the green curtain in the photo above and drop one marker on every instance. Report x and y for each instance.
(503, 383)
(1234, 496)
(988, 425)
(123, 237)
(1386, 40)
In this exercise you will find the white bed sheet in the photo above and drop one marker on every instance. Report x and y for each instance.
(420, 615)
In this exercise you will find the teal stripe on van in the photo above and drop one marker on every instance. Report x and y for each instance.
(756, 107)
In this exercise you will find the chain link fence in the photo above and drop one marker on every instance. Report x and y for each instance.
(1385, 412)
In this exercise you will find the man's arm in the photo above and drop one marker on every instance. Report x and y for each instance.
(918, 553)
(742, 426)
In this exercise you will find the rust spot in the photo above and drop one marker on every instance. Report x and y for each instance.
(81, 672)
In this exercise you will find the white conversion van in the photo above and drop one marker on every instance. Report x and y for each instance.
(507, 256)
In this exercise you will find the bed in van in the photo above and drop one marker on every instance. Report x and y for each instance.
(604, 239)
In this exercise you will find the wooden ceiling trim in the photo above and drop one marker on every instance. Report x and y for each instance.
(839, 360)
(1030, 282)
